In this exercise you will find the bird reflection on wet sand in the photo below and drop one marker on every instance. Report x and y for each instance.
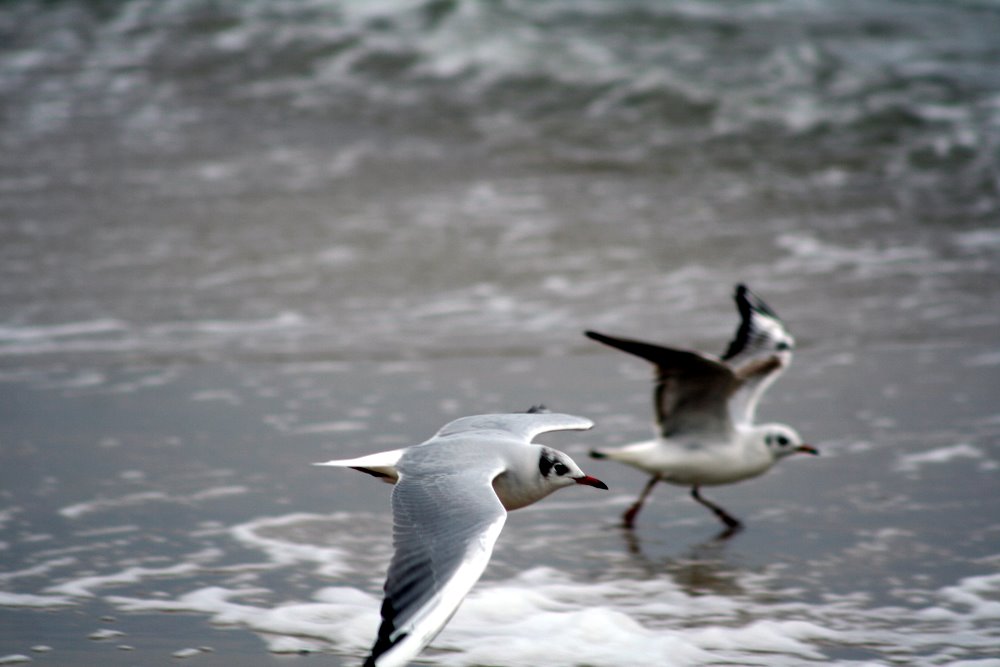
(701, 569)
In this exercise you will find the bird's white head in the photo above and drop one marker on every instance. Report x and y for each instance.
(781, 441)
(545, 472)
(558, 470)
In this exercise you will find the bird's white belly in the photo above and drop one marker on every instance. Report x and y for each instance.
(710, 473)
(688, 464)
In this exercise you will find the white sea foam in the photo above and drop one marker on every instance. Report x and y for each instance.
(110, 335)
(7, 514)
(31, 600)
(86, 586)
(984, 359)
(545, 616)
(38, 570)
(186, 653)
(329, 560)
(979, 239)
(914, 462)
(66, 330)
(77, 510)
(809, 254)
(284, 320)
(541, 615)
(332, 427)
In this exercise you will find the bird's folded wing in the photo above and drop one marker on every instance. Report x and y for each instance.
(444, 529)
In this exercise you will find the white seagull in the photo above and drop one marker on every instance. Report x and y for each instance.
(705, 410)
(450, 500)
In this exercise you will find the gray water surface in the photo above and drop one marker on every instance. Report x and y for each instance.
(240, 237)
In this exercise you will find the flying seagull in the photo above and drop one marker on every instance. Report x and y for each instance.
(705, 408)
(449, 503)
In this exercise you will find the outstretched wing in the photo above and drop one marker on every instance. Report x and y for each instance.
(760, 351)
(522, 425)
(761, 332)
(692, 390)
(444, 529)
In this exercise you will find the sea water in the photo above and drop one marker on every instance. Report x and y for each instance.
(237, 238)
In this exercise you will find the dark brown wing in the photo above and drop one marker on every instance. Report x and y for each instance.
(692, 390)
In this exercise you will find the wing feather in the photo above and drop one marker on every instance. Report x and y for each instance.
(523, 425)
(381, 465)
(760, 333)
(760, 351)
(444, 529)
(692, 390)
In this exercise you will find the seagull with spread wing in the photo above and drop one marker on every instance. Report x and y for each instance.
(449, 503)
(705, 408)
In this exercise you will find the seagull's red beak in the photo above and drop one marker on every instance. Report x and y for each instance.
(807, 449)
(591, 481)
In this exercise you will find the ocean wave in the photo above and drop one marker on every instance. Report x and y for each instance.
(614, 616)
(345, 178)
(630, 66)
(654, 622)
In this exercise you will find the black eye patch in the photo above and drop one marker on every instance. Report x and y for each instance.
(545, 463)
(549, 462)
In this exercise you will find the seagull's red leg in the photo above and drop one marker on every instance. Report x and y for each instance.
(732, 523)
(628, 519)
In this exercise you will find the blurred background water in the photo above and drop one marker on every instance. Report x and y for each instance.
(238, 237)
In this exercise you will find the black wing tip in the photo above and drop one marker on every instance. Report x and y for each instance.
(384, 642)
(613, 341)
(538, 409)
(381, 648)
(369, 471)
(664, 358)
(610, 341)
(596, 454)
(748, 301)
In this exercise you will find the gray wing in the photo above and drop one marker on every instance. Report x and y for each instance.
(760, 351)
(692, 391)
(523, 425)
(444, 529)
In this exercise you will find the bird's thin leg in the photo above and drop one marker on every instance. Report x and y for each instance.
(732, 523)
(628, 519)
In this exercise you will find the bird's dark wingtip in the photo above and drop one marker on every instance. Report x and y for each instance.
(385, 641)
(747, 303)
(753, 301)
(595, 454)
